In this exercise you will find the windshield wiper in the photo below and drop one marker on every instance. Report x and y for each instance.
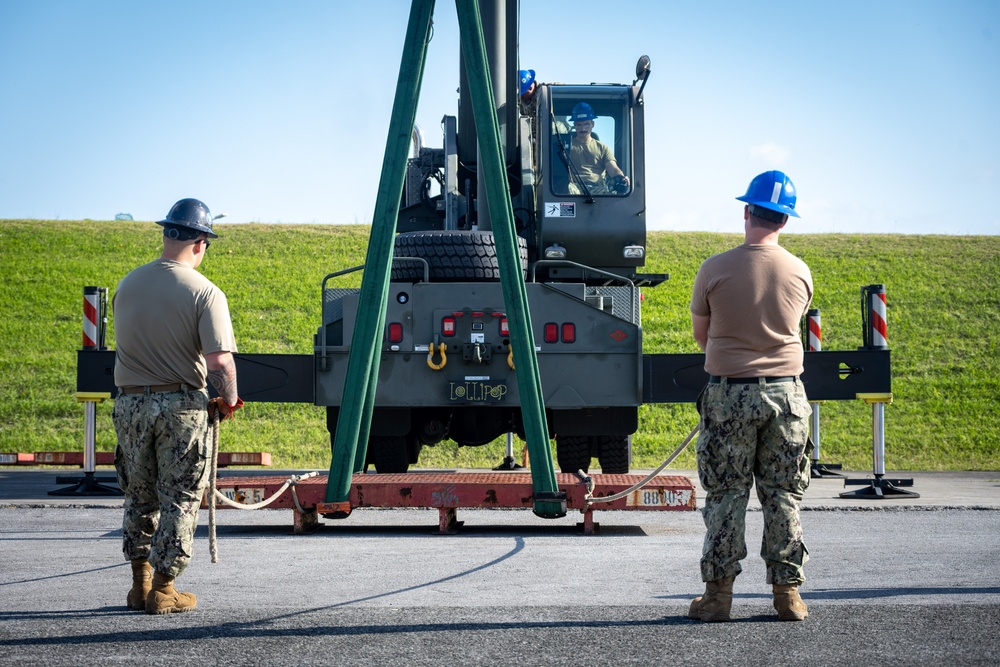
(588, 198)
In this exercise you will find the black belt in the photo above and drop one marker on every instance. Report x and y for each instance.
(157, 388)
(715, 379)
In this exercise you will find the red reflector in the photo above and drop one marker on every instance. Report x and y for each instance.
(395, 332)
(551, 332)
(569, 332)
(504, 327)
(618, 335)
(477, 314)
(448, 326)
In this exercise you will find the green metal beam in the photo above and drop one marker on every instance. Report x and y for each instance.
(547, 502)
(363, 359)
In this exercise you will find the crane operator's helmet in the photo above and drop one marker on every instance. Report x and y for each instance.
(772, 191)
(187, 219)
(582, 111)
(527, 77)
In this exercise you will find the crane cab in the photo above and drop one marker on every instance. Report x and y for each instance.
(585, 214)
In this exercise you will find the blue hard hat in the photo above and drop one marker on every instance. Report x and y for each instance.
(772, 190)
(192, 214)
(527, 78)
(582, 111)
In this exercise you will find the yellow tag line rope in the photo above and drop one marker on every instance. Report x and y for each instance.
(214, 493)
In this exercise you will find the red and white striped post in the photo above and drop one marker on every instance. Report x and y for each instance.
(814, 343)
(814, 331)
(95, 320)
(873, 312)
(91, 317)
(95, 308)
(94, 299)
(814, 338)
(877, 338)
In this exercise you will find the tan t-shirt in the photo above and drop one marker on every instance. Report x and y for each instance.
(755, 297)
(167, 317)
(591, 159)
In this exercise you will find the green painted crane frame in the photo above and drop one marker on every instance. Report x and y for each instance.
(354, 422)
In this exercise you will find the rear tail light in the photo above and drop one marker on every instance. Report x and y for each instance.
(395, 332)
(565, 332)
(448, 326)
(504, 327)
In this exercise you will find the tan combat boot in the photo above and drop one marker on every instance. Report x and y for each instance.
(142, 581)
(716, 603)
(788, 603)
(164, 599)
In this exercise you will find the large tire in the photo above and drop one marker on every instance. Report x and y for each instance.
(573, 453)
(612, 453)
(391, 454)
(452, 256)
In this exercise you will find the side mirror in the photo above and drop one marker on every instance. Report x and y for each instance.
(642, 68)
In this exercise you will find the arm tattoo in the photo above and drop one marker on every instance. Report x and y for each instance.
(224, 381)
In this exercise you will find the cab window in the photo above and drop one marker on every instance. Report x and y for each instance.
(590, 148)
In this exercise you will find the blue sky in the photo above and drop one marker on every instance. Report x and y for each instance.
(885, 113)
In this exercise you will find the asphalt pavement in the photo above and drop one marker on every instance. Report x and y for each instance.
(906, 580)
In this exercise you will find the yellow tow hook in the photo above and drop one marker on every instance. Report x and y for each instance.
(430, 356)
(510, 357)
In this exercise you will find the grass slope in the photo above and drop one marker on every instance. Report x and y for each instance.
(943, 301)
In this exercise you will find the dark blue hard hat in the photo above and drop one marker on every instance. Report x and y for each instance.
(190, 213)
(582, 111)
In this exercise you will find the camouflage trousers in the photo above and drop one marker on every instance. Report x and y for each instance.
(754, 433)
(162, 465)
